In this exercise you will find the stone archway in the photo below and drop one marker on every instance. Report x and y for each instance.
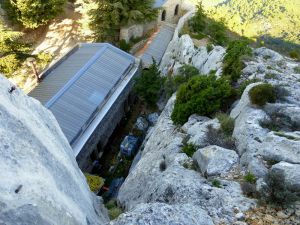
(176, 11)
(163, 15)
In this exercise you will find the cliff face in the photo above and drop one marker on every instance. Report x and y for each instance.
(40, 182)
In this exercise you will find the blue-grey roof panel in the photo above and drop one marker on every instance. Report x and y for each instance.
(78, 98)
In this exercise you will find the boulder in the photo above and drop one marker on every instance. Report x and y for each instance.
(215, 161)
(141, 124)
(40, 181)
(160, 213)
(214, 60)
(152, 118)
(291, 174)
(268, 54)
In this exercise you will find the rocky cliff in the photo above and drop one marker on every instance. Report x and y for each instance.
(169, 187)
(40, 182)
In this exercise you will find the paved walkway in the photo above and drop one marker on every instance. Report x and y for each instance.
(157, 45)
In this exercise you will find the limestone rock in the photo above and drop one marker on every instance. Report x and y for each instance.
(214, 160)
(291, 174)
(160, 213)
(40, 181)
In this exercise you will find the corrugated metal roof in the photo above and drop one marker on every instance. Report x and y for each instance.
(159, 3)
(158, 46)
(80, 83)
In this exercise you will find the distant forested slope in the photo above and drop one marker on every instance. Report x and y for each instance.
(276, 22)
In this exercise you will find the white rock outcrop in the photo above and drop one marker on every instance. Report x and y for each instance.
(40, 182)
(215, 161)
(182, 51)
(176, 184)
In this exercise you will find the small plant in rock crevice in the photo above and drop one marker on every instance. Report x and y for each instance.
(217, 137)
(250, 178)
(189, 149)
(226, 122)
(216, 183)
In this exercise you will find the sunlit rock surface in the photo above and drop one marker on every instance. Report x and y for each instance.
(40, 182)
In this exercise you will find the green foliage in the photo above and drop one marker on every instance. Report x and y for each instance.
(276, 192)
(173, 82)
(261, 94)
(219, 138)
(216, 183)
(248, 18)
(124, 45)
(271, 76)
(204, 95)
(12, 50)
(113, 210)
(33, 13)
(243, 86)
(43, 59)
(217, 31)
(9, 64)
(227, 123)
(209, 48)
(148, 84)
(94, 182)
(108, 17)
(294, 55)
(197, 23)
(189, 149)
(232, 63)
(250, 178)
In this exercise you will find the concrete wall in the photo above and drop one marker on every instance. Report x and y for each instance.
(105, 128)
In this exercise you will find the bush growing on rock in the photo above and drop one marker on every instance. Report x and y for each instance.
(250, 178)
(276, 192)
(174, 81)
(217, 137)
(261, 94)
(233, 60)
(227, 123)
(203, 95)
(245, 83)
(216, 183)
(189, 149)
(249, 189)
(148, 84)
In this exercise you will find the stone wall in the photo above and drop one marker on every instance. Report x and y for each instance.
(169, 8)
(135, 31)
(105, 129)
(40, 182)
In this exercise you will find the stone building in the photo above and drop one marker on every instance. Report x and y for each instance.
(88, 91)
(169, 11)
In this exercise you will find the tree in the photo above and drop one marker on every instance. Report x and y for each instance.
(197, 22)
(12, 50)
(109, 16)
(204, 95)
(33, 13)
(148, 84)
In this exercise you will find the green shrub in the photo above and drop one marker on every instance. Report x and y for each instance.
(113, 210)
(261, 94)
(209, 48)
(216, 183)
(9, 64)
(276, 192)
(243, 86)
(217, 31)
(124, 45)
(232, 63)
(173, 82)
(189, 149)
(250, 178)
(271, 76)
(227, 123)
(148, 84)
(294, 55)
(94, 182)
(43, 59)
(197, 22)
(204, 95)
(33, 13)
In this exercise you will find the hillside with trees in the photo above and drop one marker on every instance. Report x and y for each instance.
(275, 23)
